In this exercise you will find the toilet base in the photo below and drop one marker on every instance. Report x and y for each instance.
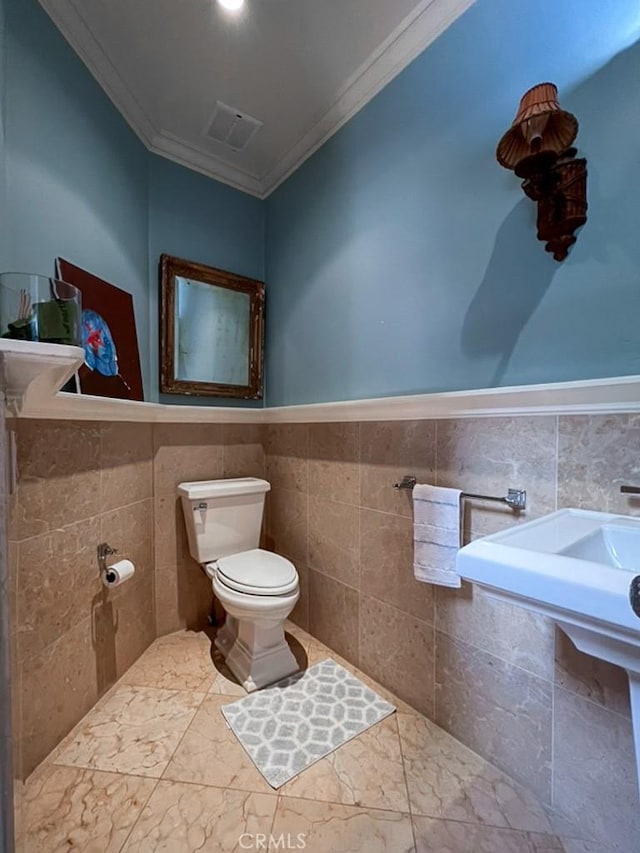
(226, 635)
(260, 656)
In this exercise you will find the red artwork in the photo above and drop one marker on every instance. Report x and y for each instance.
(112, 361)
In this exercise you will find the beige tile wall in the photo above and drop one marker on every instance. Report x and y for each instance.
(7, 707)
(80, 484)
(497, 676)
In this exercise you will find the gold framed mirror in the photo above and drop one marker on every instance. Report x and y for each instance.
(211, 331)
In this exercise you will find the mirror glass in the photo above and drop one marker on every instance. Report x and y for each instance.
(212, 331)
(221, 317)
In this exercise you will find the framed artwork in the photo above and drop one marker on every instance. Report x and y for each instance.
(111, 357)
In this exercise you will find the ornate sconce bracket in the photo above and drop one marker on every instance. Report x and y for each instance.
(537, 147)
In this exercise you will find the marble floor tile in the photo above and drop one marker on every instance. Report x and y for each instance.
(67, 808)
(183, 782)
(366, 771)
(135, 731)
(180, 661)
(225, 683)
(210, 754)
(331, 828)
(448, 836)
(186, 818)
(447, 780)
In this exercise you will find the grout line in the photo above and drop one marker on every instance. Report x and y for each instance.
(119, 596)
(275, 812)
(184, 734)
(332, 578)
(404, 774)
(593, 704)
(484, 651)
(435, 666)
(311, 799)
(429, 622)
(135, 823)
(83, 520)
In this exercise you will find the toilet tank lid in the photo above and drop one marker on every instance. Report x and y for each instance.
(202, 489)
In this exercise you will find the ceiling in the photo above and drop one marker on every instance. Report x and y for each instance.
(301, 67)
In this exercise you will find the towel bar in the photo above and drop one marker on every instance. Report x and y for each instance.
(516, 498)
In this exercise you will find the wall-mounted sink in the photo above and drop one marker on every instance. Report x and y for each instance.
(580, 568)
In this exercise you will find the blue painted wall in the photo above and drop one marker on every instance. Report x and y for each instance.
(81, 185)
(3, 81)
(193, 217)
(76, 174)
(401, 258)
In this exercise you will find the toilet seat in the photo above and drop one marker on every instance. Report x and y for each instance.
(255, 572)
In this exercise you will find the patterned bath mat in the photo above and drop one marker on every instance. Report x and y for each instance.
(296, 722)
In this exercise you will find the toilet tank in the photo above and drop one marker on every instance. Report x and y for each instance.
(223, 517)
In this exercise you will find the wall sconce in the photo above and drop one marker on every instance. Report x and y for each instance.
(537, 147)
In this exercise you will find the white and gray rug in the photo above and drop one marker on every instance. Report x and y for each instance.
(296, 722)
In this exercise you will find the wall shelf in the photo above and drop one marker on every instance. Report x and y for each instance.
(84, 407)
(33, 372)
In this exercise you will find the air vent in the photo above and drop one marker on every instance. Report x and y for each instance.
(232, 127)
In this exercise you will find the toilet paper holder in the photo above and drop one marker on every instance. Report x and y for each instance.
(105, 550)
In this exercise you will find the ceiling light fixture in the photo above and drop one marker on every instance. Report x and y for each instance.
(231, 5)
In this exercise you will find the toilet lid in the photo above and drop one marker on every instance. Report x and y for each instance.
(258, 572)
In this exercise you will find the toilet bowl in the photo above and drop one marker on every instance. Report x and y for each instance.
(257, 589)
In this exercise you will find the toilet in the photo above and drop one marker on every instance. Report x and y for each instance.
(257, 589)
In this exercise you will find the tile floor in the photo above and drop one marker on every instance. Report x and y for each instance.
(153, 767)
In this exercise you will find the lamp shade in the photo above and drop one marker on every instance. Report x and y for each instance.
(539, 126)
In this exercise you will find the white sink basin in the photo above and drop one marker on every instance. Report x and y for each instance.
(580, 568)
(613, 544)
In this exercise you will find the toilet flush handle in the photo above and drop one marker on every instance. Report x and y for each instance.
(201, 505)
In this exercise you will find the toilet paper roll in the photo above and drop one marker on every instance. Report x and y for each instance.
(118, 573)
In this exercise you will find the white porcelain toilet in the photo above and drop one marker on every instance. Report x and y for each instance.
(258, 589)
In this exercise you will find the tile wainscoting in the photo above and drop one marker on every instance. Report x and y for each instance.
(7, 645)
(496, 676)
(81, 483)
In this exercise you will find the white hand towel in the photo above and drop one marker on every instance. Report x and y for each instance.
(436, 534)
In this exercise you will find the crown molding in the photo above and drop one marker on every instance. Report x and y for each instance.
(68, 19)
(166, 144)
(413, 35)
(427, 21)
